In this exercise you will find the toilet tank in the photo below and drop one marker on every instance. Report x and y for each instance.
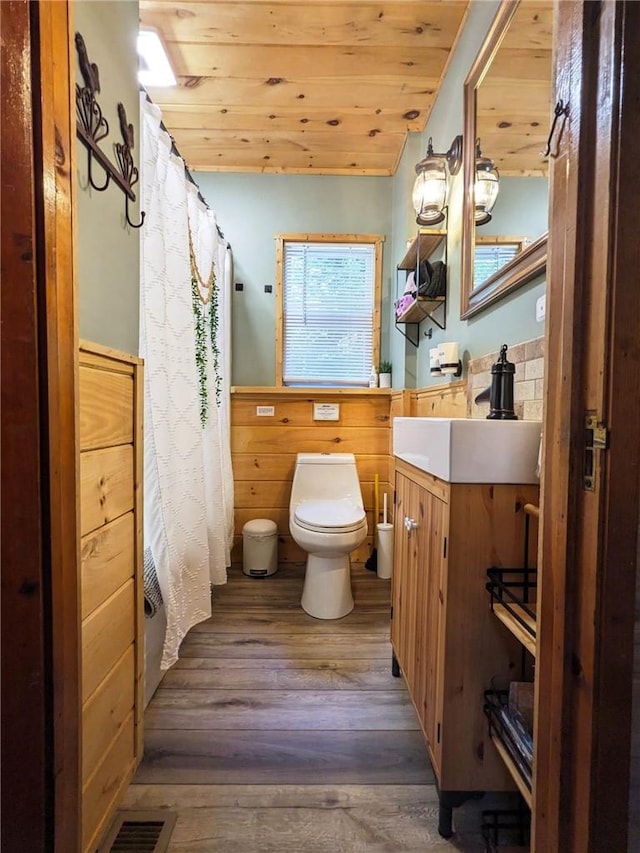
(325, 476)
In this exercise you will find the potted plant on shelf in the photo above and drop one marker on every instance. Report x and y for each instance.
(384, 372)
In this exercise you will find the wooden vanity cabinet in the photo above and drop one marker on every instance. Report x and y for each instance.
(446, 642)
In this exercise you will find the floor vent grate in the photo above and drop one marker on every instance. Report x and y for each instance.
(139, 832)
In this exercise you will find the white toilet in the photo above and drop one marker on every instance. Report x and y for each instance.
(327, 519)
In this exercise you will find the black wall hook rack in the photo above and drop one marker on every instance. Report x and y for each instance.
(92, 127)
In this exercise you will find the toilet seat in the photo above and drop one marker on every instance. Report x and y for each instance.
(329, 516)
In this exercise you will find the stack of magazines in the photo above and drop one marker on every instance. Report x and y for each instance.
(508, 724)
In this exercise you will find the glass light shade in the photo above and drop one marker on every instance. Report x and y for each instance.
(430, 191)
(486, 190)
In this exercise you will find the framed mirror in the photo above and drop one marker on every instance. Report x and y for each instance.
(507, 108)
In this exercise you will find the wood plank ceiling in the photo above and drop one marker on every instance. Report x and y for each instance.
(513, 101)
(301, 86)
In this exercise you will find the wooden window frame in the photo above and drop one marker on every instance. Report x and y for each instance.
(375, 240)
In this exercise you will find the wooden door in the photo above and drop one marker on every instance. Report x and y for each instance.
(589, 531)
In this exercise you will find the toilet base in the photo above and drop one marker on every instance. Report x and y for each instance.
(327, 587)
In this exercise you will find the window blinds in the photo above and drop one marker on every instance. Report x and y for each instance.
(490, 258)
(328, 307)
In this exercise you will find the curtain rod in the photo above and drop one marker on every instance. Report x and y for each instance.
(175, 150)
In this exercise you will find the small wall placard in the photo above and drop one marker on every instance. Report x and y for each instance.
(326, 411)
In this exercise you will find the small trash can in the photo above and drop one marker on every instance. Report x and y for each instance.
(259, 548)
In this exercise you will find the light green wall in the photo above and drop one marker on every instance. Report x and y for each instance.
(107, 260)
(251, 209)
(511, 320)
(403, 355)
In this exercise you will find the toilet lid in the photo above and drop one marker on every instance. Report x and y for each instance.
(336, 516)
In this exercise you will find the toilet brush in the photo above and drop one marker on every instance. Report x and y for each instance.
(384, 542)
(372, 562)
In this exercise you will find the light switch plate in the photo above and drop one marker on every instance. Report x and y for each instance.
(541, 308)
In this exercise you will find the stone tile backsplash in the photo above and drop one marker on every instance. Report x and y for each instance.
(528, 358)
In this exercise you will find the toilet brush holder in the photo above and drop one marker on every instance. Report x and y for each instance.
(385, 550)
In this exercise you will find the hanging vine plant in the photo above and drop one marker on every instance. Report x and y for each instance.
(204, 301)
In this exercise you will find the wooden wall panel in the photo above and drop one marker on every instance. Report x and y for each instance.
(280, 466)
(359, 411)
(106, 786)
(106, 408)
(106, 561)
(106, 712)
(312, 439)
(106, 485)
(448, 400)
(106, 634)
(111, 580)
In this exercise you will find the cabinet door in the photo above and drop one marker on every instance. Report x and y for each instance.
(404, 577)
(429, 621)
(418, 601)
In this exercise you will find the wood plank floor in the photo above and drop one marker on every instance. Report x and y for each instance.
(279, 733)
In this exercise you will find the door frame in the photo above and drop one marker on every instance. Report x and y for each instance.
(589, 546)
(40, 461)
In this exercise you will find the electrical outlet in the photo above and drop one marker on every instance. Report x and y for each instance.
(541, 308)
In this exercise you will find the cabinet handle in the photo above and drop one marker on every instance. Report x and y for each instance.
(410, 523)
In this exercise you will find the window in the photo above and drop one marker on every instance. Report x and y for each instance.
(491, 254)
(329, 308)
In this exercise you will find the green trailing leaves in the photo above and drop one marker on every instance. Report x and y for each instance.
(204, 305)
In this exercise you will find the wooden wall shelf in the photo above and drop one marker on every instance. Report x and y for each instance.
(514, 624)
(424, 245)
(513, 770)
(512, 601)
(420, 310)
(505, 738)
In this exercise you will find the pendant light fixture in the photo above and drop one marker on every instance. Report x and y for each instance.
(486, 188)
(432, 180)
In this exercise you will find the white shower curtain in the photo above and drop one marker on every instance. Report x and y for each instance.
(188, 488)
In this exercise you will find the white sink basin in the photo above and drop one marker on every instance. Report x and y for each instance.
(466, 450)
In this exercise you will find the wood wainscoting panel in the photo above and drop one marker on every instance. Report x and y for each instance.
(358, 411)
(325, 438)
(264, 452)
(112, 592)
(106, 711)
(105, 788)
(106, 408)
(106, 485)
(445, 400)
(106, 561)
(106, 634)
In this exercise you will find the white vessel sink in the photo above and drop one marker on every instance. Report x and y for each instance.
(466, 450)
